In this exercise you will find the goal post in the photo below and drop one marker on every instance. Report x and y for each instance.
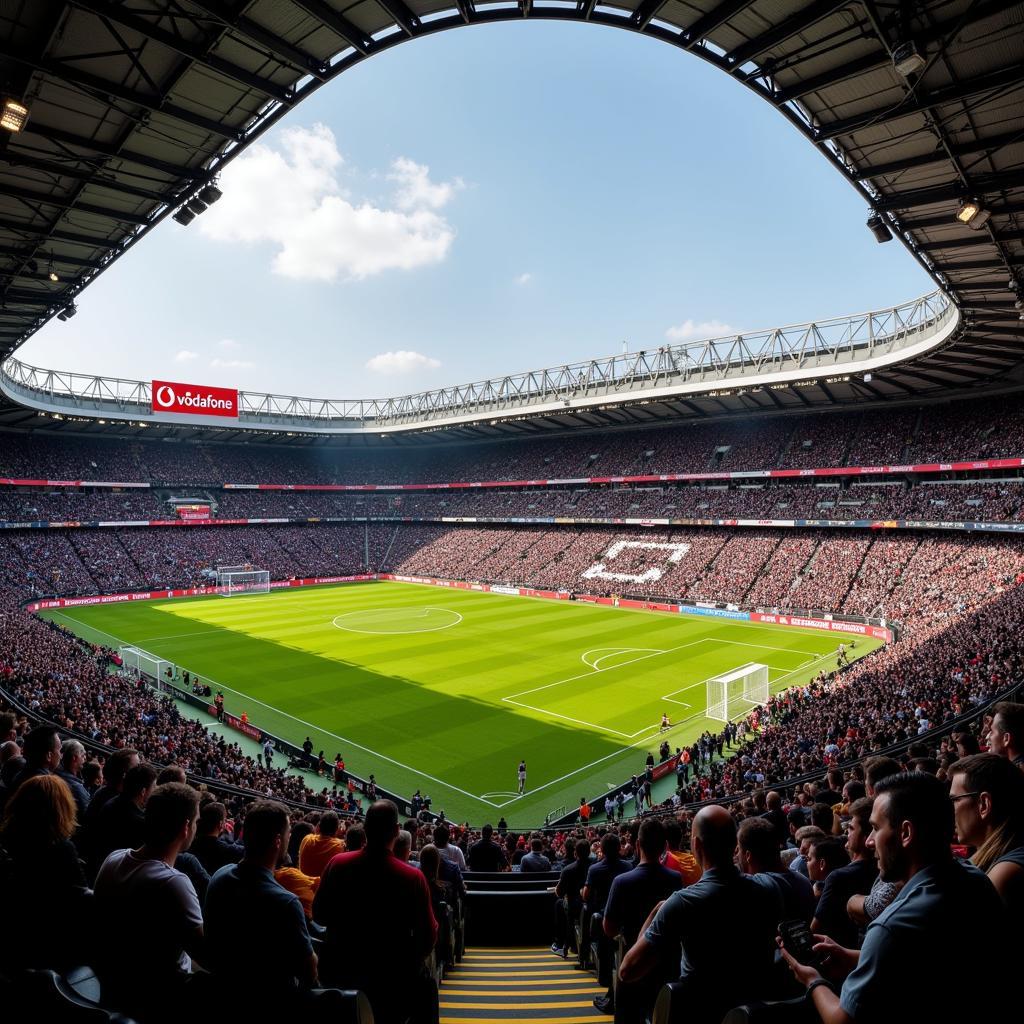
(232, 581)
(148, 666)
(735, 693)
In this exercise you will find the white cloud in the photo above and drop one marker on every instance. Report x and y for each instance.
(231, 364)
(401, 362)
(690, 330)
(185, 356)
(415, 189)
(229, 345)
(525, 278)
(290, 196)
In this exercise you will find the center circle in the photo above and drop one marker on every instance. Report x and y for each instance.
(386, 621)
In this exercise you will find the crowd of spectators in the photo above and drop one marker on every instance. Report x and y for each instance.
(942, 432)
(983, 500)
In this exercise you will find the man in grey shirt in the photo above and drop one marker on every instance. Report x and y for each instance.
(909, 967)
(535, 859)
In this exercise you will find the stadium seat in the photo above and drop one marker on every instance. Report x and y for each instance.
(786, 1011)
(50, 996)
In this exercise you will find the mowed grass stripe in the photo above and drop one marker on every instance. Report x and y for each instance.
(432, 702)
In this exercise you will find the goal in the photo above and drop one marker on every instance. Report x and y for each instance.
(234, 580)
(735, 693)
(148, 666)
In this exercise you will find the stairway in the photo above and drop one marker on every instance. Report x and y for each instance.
(519, 983)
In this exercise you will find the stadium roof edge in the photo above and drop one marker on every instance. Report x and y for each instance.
(118, 140)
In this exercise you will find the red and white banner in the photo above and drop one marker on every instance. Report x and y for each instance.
(194, 513)
(194, 399)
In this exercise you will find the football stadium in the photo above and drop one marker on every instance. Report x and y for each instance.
(683, 685)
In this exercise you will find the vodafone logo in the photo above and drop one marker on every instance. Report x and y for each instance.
(195, 399)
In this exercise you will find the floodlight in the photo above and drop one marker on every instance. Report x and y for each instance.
(52, 274)
(184, 216)
(973, 214)
(907, 59)
(210, 194)
(14, 115)
(878, 227)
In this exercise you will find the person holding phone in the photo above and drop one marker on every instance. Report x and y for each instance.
(909, 967)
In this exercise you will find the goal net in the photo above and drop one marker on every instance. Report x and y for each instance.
(148, 666)
(735, 693)
(232, 581)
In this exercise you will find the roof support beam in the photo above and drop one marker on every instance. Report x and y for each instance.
(920, 101)
(792, 26)
(266, 39)
(28, 230)
(989, 145)
(117, 13)
(944, 220)
(936, 33)
(337, 23)
(59, 170)
(717, 16)
(105, 89)
(58, 135)
(981, 185)
(62, 203)
(71, 261)
(646, 13)
(403, 17)
(976, 238)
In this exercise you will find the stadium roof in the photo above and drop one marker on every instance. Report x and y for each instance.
(134, 107)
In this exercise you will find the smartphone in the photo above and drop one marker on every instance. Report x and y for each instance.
(798, 941)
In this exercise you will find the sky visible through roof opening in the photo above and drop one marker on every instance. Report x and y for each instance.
(482, 202)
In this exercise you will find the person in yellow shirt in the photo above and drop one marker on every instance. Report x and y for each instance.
(303, 886)
(679, 859)
(320, 846)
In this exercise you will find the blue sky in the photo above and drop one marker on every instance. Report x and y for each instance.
(485, 201)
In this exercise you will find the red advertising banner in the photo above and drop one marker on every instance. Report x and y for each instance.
(194, 399)
(193, 512)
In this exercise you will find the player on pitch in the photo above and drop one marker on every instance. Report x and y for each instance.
(522, 777)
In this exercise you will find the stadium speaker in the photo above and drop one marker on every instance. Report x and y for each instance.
(184, 216)
(195, 205)
(210, 194)
(878, 227)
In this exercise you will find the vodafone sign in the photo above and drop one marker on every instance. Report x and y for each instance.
(194, 399)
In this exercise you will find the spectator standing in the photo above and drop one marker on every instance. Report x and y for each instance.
(703, 919)
(72, 760)
(120, 825)
(447, 850)
(42, 751)
(380, 926)
(569, 892)
(149, 917)
(317, 849)
(632, 897)
(485, 854)
(759, 857)
(256, 933)
(210, 847)
(535, 860)
(603, 873)
(677, 856)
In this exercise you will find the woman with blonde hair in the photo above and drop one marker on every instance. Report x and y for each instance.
(987, 793)
(41, 874)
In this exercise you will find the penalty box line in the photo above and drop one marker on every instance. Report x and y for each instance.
(309, 725)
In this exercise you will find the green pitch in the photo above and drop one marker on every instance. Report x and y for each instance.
(447, 690)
